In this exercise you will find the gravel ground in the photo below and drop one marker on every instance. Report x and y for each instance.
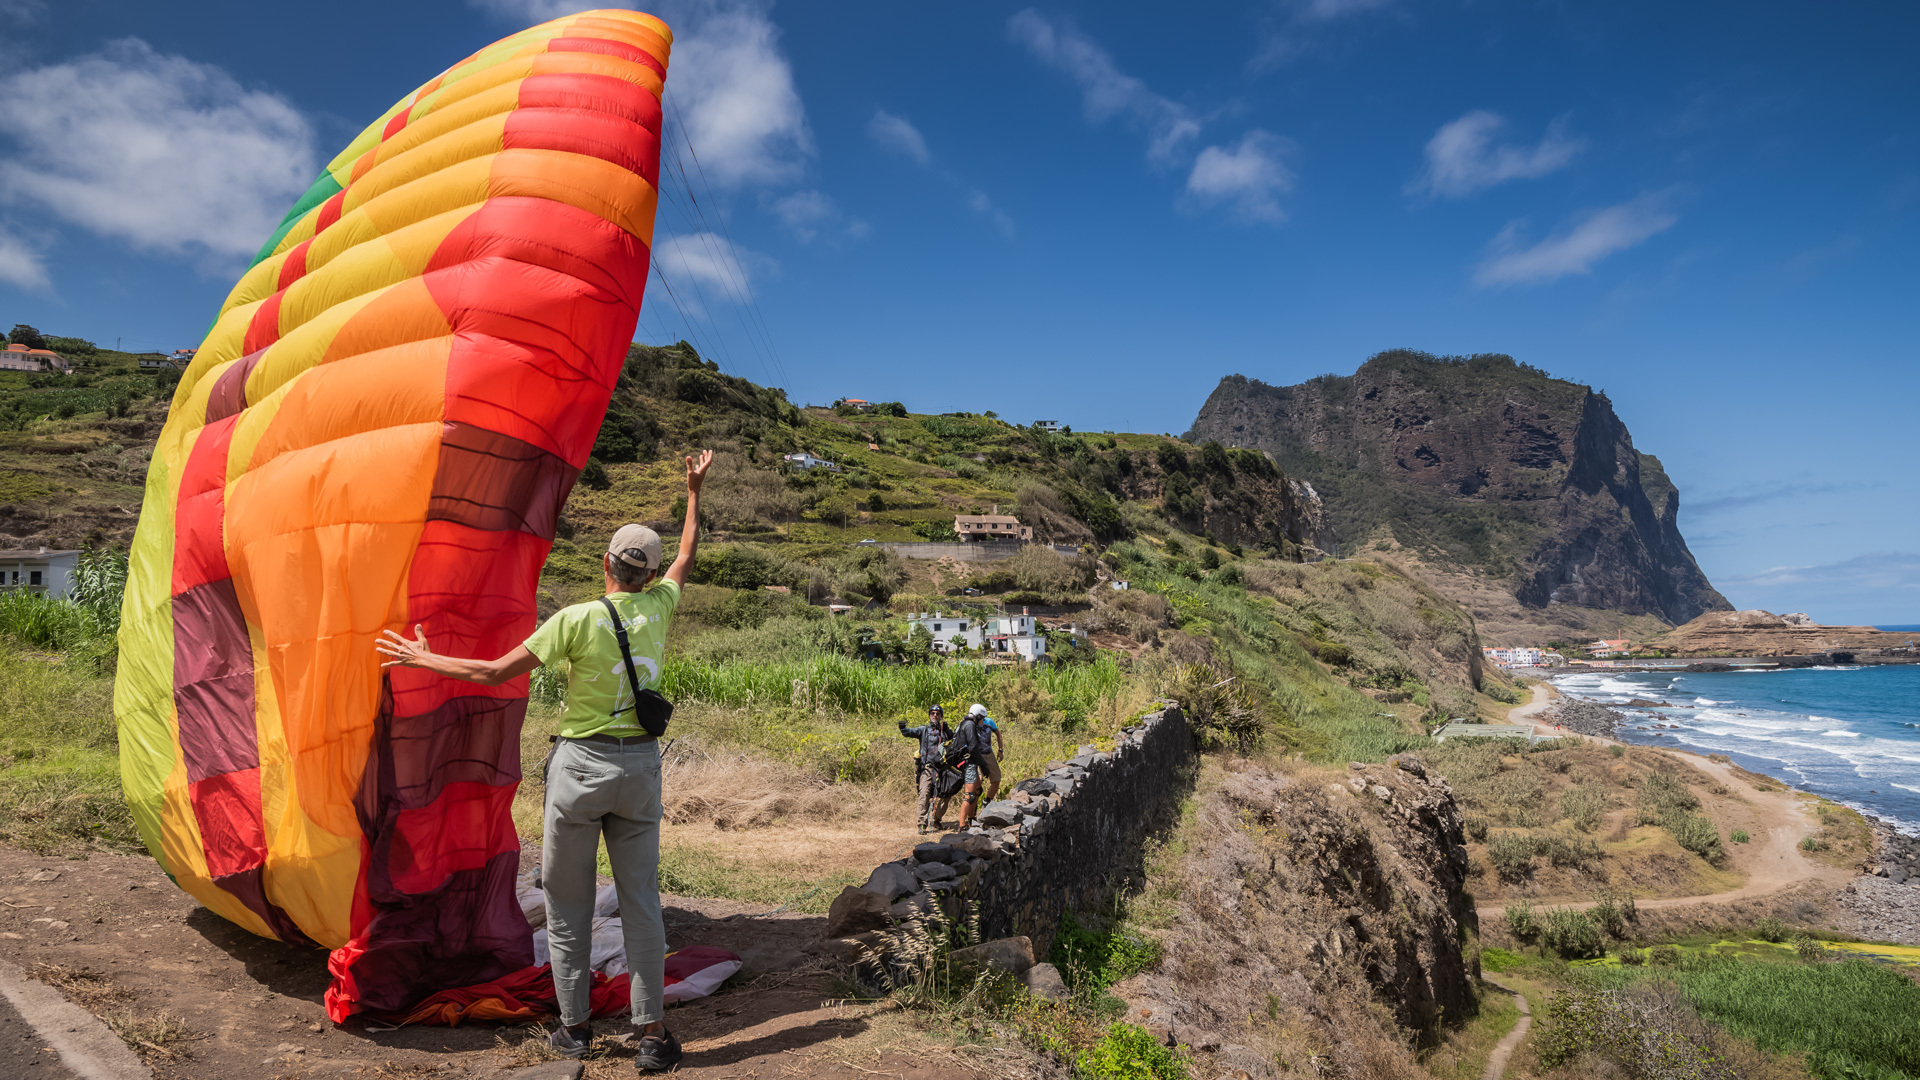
(1584, 717)
(1877, 909)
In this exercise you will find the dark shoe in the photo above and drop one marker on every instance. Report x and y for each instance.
(573, 1042)
(658, 1053)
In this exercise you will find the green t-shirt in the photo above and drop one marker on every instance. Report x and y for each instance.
(597, 685)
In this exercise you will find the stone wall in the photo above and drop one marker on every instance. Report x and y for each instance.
(1055, 843)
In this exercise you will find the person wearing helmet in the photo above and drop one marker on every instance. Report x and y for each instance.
(969, 745)
(927, 763)
(996, 748)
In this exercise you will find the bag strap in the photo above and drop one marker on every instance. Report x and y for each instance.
(626, 654)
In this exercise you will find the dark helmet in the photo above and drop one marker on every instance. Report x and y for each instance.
(936, 710)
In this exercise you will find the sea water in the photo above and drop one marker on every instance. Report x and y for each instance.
(1851, 734)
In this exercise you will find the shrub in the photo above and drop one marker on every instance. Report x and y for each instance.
(1566, 851)
(1096, 959)
(1617, 750)
(1512, 856)
(1127, 1052)
(1520, 921)
(1570, 934)
(1663, 956)
(1612, 913)
(1583, 805)
(1811, 950)
(1333, 653)
(1476, 828)
(1647, 1032)
(1739, 836)
(1808, 843)
(1770, 929)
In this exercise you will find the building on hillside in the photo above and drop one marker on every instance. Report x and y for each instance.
(23, 358)
(971, 527)
(804, 460)
(156, 362)
(1013, 636)
(1515, 657)
(857, 404)
(1016, 635)
(1609, 647)
(41, 571)
(971, 630)
(1046, 425)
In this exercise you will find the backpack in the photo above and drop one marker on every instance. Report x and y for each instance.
(650, 707)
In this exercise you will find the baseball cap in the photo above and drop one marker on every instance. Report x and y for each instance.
(637, 546)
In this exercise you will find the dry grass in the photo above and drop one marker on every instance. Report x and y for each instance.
(1844, 839)
(1463, 1053)
(150, 1033)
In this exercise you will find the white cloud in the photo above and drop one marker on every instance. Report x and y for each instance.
(978, 202)
(1297, 23)
(20, 262)
(1108, 91)
(809, 214)
(1880, 587)
(1248, 177)
(161, 151)
(1575, 247)
(897, 134)
(1462, 157)
(706, 268)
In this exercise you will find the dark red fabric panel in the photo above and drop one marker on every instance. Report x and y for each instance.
(581, 131)
(469, 740)
(491, 481)
(213, 683)
(467, 930)
(199, 552)
(249, 887)
(227, 807)
(229, 393)
(597, 93)
(609, 48)
(470, 823)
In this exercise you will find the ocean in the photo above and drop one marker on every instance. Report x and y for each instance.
(1851, 734)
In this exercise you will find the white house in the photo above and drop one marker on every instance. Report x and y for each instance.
(1018, 635)
(945, 628)
(804, 460)
(50, 572)
(1046, 425)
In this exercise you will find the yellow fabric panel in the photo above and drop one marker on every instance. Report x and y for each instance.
(300, 349)
(359, 502)
(300, 233)
(369, 267)
(311, 873)
(368, 138)
(501, 77)
(599, 64)
(143, 685)
(486, 101)
(461, 183)
(223, 344)
(428, 163)
(258, 283)
(589, 183)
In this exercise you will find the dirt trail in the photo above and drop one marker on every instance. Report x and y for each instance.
(1772, 861)
(1503, 1050)
(254, 1006)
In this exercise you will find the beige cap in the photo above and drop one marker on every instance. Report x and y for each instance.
(637, 546)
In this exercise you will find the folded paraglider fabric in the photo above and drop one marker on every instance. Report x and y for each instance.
(692, 972)
(379, 431)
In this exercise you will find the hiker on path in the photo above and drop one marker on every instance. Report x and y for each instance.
(969, 745)
(603, 774)
(927, 763)
(996, 748)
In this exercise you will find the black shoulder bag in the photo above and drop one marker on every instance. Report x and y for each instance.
(650, 707)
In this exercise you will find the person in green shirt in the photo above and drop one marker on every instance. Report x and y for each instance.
(603, 777)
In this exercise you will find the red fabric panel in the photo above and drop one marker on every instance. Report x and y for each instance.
(474, 591)
(295, 267)
(199, 555)
(228, 809)
(330, 212)
(597, 93)
(467, 825)
(602, 255)
(578, 131)
(264, 329)
(609, 48)
(394, 125)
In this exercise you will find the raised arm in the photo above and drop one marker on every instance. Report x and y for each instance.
(690, 532)
(417, 654)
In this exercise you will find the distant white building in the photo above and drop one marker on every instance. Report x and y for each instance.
(23, 358)
(1011, 635)
(43, 571)
(804, 460)
(1046, 425)
(969, 629)
(996, 526)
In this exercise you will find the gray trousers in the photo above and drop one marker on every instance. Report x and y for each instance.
(596, 789)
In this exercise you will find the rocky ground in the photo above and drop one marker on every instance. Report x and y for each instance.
(1884, 903)
(1583, 717)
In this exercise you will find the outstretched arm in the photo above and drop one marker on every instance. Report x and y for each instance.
(417, 654)
(690, 532)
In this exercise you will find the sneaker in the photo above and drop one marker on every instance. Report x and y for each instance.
(657, 1052)
(573, 1042)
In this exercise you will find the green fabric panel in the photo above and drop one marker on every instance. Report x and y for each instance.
(324, 187)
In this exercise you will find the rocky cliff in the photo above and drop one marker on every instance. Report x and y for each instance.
(1484, 467)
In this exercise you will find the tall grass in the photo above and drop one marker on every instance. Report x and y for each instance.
(59, 756)
(868, 689)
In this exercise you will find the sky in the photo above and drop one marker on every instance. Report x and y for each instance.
(1092, 212)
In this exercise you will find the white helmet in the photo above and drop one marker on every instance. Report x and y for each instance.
(976, 710)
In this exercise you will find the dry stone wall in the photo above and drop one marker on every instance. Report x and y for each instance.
(1055, 843)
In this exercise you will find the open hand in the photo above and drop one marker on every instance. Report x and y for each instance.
(697, 467)
(405, 653)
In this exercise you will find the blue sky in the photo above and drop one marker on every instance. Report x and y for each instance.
(1092, 212)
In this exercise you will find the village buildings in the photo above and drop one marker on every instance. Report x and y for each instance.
(972, 527)
(23, 358)
(42, 570)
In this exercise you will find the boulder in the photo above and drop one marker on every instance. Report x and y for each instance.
(1082, 762)
(856, 911)
(1011, 955)
(1044, 981)
(854, 949)
(1037, 786)
(936, 853)
(917, 906)
(891, 881)
(972, 843)
(1407, 763)
(1000, 812)
(935, 871)
(1064, 786)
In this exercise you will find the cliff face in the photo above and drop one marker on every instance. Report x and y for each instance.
(1485, 466)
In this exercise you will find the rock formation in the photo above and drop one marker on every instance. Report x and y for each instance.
(1485, 467)
(1762, 633)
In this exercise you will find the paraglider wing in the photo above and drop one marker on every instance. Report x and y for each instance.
(378, 431)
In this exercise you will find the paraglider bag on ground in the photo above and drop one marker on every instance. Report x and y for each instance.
(947, 782)
(650, 707)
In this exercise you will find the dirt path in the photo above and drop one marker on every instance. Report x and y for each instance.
(1503, 1050)
(1772, 860)
(252, 1010)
